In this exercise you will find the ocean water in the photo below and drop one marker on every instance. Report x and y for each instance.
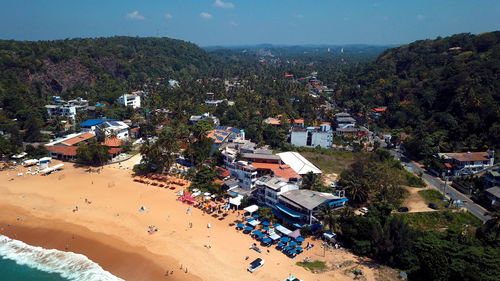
(22, 262)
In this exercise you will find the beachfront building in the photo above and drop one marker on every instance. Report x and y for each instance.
(300, 207)
(91, 125)
(65, 148)
(268, 189)
(132, 100)
(467, 163)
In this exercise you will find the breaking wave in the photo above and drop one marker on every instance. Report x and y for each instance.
(69, 265)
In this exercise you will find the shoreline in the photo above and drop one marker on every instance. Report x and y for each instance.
(112, 254)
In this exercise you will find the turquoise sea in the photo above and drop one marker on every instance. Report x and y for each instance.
(22, 262)
(11, 271)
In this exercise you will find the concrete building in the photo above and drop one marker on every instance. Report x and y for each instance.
(268, 189)
(312, 136)
(197, 118)
(492, 177)
(67, 111)
(467, 163)
(114, 128)
(300, 207)
(130, 100)
(493, 195)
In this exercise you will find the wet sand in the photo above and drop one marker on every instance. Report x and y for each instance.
(114, 233)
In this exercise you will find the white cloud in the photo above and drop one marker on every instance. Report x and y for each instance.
(299, 16)
(168, 16)
(225, 5)
(420, 17)
(135, 15)
(233, 23)
(205, 15)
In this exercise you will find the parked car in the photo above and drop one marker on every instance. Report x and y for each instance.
(433, 206)
(256, 264)
(363, 210)
(403, 209)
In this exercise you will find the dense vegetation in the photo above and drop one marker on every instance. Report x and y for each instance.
(444, 92)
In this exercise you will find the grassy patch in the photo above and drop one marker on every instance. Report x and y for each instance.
(313, 266)
(440, 220)
(433, 196)
(411, 180)
(331, 161)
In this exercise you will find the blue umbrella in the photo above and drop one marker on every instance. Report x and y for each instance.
(262, 235)
(257, 232)
(292, 252)
(285, 239)
(266, 228)
(248, 228)
(300, 239)
(265, 223)
(240, 225)
(276, 224)
(281, 244)
(293, 244)
(266, 240)
(288, 248)
(299, 248)
(250, 219)
(255, 216)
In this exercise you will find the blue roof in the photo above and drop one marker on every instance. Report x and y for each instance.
(235, 130)
(288, 211)
(338, 201)
(93, 122)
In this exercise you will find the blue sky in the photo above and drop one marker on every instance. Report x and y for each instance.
(239, 22)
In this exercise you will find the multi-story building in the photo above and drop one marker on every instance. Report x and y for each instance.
(492, 177)
(196, 118)
(300, 207)
(268, 189)
(467, 163)
(67, 111)
(130, 100)
(312, 136)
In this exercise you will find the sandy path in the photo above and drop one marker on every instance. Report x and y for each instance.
(113, 215)
(415, 202)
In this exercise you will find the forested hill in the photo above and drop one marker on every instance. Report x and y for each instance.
(444, 92)
(31, 71)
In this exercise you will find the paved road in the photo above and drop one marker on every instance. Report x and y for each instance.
(440, 185)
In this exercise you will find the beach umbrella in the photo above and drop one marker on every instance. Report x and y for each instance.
(266, 228)
(281, 244)
(255, 216)
(300, 239)
(265, 223)
(262, 235)
(293, 244)
(292, 252)
(257, 232)
(266, 240)
(277, 224)
(285, 239)
(248, 228)
(241, 225)
(299, 248)
(287, 248)
(250, 219)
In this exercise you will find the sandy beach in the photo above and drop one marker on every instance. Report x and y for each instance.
(54, 212)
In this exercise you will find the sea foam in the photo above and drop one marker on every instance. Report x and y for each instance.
(69, 265)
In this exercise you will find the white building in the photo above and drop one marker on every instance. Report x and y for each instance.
(67, 111)
(130, 100)
(196, 118)
(312, 136)
(244, 172)
(298, 163)
(270, 187)
(114, 128)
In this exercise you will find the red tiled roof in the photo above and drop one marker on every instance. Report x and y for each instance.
(448, 165)
(135, 129)
(112, 142)
(469, 156)
(63, 150)
(273, 122)
(222, 173)
(114, 150)
(279, 170)
(379, 109)
(218, 181)
(298, 121)
(78, 139)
